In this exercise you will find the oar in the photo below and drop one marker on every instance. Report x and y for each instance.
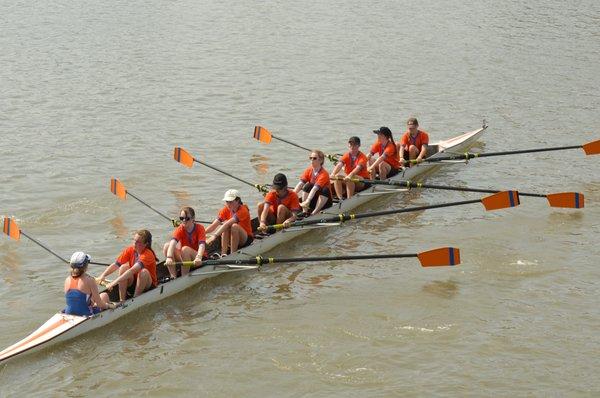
(573, 200)
(500, 200)
(12, 230)
(591, 148)
(432, 258)
(184, 157)
(263, 135)
(117, 188)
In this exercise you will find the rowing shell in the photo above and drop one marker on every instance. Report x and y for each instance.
(62, 327)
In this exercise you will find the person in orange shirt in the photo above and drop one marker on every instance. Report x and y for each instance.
(314, 186)
(233, 224)
(280, 205)
(413, 145)
(187, 244)
(136, 265)
(388, 163)
(354, 163)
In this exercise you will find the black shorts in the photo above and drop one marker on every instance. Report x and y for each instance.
(325, 191)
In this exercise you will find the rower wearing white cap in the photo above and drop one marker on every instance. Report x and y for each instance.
(81, 291)
(233, 224)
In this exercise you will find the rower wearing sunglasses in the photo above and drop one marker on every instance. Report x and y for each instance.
(187, 244)
(314, 185)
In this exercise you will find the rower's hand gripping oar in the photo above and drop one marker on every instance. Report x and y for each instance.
(591, 148)
(12, 230)
(445, 256)
(572, 200)
(117, 188)
(500, 200)
(263, 135)
(184, 157)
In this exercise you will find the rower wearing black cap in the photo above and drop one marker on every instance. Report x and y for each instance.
(280, 205)
(388, 163)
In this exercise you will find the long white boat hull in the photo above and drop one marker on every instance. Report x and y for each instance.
(62, 327)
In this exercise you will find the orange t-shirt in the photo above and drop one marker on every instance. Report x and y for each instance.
(389, 153)
(290, 200)
(421, 138)
(147, 259)
(241, 216)
(190, 239)
(321, 179)
(350, 164)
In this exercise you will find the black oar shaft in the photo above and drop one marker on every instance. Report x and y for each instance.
(259, 187)
(148, 206)
(270, 260)
(291, 143)
(410, 184)
(44, 247)
(346, 217)
(482, 155)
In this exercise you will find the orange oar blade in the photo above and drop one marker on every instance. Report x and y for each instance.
(118, 188)
(501, 200)
(439, 257)
(572, 200)
(11, 228)
(183, 157)
(262, 134)
(592, 148)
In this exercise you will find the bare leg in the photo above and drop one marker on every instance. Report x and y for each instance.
(384, 169)
(187, 254)
(339, 188)
(144, 281)
(321, 202)
(125, 283)
(283, 213)
(225, 239)
(238, 237)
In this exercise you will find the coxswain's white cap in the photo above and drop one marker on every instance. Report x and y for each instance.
(230, 195)
(79, 259)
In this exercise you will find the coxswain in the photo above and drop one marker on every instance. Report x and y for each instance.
(413, 145)
(280, 205)
(81, 291)
(188, 243)
(233, 224)
(136, 265)
(314, 186)
(387, 163)
(354, 164)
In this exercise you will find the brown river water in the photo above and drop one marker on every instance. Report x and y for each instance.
(94, 90)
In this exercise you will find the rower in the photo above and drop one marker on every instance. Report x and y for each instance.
(354, 163)
(81, 290)
(388, 163)
(314, 185)
(413, 145)
(233, 224)
(136, 265)
(280, 205)
(188, 243)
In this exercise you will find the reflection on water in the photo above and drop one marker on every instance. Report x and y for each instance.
(260, 164)
(444, 289)
(118, 227)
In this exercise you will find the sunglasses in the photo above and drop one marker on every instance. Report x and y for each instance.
(185, 218)
(313, 158)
